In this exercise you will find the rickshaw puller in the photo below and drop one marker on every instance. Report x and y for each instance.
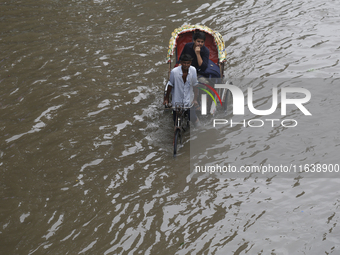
(182, 84)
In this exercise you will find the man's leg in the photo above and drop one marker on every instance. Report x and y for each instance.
(193, 117)
(174, 117)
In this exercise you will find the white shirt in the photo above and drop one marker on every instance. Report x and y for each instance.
(183, 92)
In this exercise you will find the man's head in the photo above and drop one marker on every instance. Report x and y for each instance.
(185, 61)
(199, 38)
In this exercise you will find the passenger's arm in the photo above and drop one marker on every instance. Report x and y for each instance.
(205, 59)
(198, 55)
(195, 83)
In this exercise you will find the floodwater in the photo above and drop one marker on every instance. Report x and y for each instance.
(86, 149)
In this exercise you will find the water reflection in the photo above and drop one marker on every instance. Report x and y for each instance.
(86, 148)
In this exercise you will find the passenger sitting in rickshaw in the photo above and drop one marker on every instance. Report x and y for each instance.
(182, 84)
(200, 55)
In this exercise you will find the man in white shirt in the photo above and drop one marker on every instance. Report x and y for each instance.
(182, 85)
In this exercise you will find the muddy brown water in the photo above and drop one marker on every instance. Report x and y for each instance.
(86, 159)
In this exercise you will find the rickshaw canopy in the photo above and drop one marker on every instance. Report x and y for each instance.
(182, 35)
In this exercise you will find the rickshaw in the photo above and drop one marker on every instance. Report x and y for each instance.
(183, 35)
(215, 43)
